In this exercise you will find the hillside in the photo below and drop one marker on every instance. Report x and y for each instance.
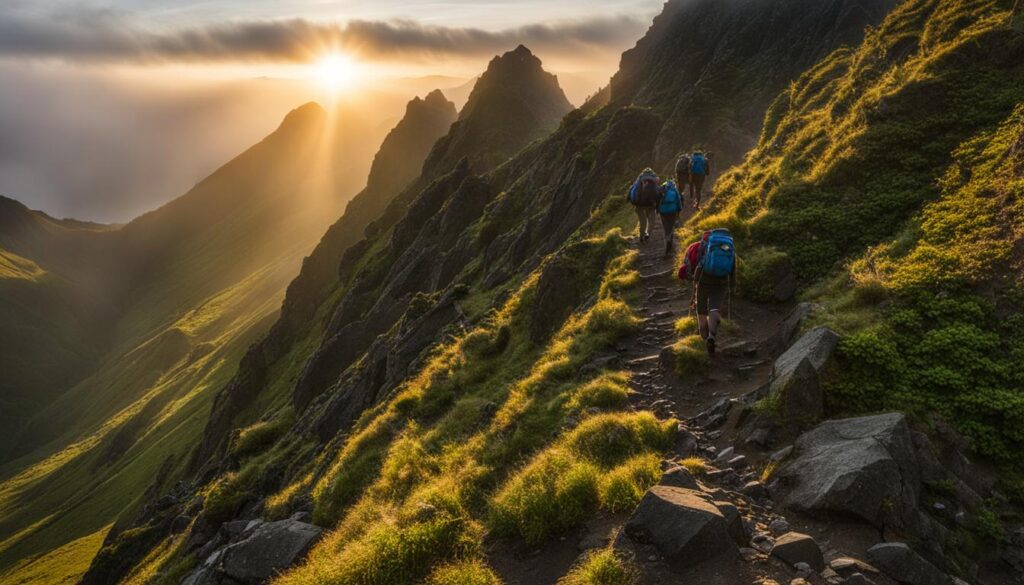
(499, 384)
(165, 306)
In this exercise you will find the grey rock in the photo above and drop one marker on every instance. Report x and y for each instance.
(734, 521)
(898, 561)
(787, 330)
(682, 524)
(737, 462)
(817, 345)
(858, 579)
(848, 565)
(725, 454)
(862, 466)
(795, 374)
(302, 516)
(794, 547)
(271, 548)
(781, 453)
(678, 476)
(749, 554)
(755, 490)
(778, 527)
(202, 576)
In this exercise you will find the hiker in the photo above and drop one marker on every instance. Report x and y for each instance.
(700, 168)
(644, 195)
(669, 206)
(683, 172)
(712, 266)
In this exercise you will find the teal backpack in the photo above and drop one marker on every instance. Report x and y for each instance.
(671, 201)
(720, 254)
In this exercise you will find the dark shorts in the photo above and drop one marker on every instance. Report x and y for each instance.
(710, 297)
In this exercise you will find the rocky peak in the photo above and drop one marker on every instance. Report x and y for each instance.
(513, 103)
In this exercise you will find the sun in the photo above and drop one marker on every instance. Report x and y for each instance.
(336, 71)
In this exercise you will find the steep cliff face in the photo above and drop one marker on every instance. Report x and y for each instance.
(711, 68)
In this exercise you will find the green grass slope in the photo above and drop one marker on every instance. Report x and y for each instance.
(889, 175)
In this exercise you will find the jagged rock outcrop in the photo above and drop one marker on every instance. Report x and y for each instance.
(514, 102)
(397, 164)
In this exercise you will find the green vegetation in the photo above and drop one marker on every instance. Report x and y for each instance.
(603, 567)
(691, 355)
(610, 390)
(415, 484)
(695, 465)
(464, 573)
(891, 172)
(589, 467)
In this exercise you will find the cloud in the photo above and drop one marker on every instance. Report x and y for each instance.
(104, 35)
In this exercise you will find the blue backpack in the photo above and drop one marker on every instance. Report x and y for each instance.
(720, 254)
(698, 165)
(671, 202)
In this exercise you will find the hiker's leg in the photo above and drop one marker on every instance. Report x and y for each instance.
(668, 227)
(648, 221)
(702, 311)
(714, 319)
(640, 217)
(698, 188)
(702, 326)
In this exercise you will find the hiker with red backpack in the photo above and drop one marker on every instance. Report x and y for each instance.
(711, 264)
(670, 206)
(644, 195)
(700, 168)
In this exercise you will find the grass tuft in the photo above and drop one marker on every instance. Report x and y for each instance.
(602, 568)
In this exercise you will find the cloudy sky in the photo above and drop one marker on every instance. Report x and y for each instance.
(110, 108)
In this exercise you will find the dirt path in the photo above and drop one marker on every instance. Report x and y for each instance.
(742, 364)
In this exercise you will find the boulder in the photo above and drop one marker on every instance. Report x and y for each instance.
(794, 548)
(795, 374)
(898, 561)
(270, 549)
(682, 524)
(678, 476)
(861, 466)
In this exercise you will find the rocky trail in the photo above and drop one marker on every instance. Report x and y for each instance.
(797, 524)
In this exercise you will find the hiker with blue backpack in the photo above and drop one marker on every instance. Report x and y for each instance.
(670, 206)
(644, 196)
(711, 264)
(700, 168)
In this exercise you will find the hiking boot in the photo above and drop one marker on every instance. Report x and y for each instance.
(711, 346)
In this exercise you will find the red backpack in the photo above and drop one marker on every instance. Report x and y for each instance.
(692, 258)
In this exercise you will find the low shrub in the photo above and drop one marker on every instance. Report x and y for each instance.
(473, 572)
(695, 465)
(606, 391)
(691, 356)
(602, 568)
(622, 488)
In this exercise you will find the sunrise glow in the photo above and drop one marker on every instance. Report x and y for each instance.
(336, 72)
